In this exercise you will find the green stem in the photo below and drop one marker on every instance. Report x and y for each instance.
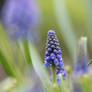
(54, 78)
(53, 74)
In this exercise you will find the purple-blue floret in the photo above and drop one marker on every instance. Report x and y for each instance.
(53, 55)
(81, 66)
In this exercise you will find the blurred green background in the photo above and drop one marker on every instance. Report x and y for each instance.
(71, 19)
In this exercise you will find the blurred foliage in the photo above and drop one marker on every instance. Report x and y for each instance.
(21, 59)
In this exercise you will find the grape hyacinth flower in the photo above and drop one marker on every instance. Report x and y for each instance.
(81, 64)
(20, 18)
(53, 57)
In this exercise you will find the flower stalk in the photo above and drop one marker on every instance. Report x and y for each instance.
(53, 75)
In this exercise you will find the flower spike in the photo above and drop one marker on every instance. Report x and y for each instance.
(81, 64)
(53, 55)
